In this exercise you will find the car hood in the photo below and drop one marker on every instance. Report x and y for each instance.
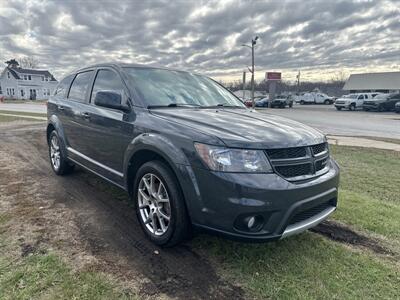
(244, 128)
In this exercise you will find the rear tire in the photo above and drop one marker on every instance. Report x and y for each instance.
(58, 158)
(160, 207)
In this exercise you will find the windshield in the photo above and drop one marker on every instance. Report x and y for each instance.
(353, 96)
(159, 87)
(381, 97)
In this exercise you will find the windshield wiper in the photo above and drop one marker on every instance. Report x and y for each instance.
(173, 105)
(223, 105)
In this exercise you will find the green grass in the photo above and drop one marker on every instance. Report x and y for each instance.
(46, 276)
(5, 119)
(309, 266)
(369, 198)
(368, 171)
(20, 113)
(303, 267)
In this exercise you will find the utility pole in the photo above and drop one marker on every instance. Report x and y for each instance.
(253, 43)
(298, 82)
(244, 85)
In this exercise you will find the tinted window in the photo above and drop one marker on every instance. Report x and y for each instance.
(107, 80)
(79, 86)
(63, 86)
(361, 97)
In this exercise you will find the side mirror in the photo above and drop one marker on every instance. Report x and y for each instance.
(110, 99)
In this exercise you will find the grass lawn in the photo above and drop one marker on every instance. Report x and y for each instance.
(46, 276)
(369, 190)
(309, 266)
(20, 113)
(4, 119)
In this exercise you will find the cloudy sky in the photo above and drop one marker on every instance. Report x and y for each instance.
(320, 38)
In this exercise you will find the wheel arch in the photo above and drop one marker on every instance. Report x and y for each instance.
(147, 147)
(54, 123)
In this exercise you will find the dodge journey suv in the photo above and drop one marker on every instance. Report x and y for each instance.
(190, 154)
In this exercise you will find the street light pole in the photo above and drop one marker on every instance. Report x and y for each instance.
(253, 43)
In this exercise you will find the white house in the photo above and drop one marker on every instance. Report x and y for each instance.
(19, 83)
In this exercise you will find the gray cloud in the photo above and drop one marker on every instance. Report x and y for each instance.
(203, 36)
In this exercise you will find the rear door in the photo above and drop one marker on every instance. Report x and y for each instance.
(110, 131)
(75, 125)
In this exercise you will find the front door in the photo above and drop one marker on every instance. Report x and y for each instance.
(32, 94)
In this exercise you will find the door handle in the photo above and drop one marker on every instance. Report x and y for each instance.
(86, 115)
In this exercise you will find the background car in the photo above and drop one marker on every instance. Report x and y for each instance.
(382, 102)
(353, 101)
(262, 102)
(315, 98)
(397, 107)
(282, 101)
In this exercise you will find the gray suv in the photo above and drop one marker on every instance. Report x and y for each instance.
(190, 154)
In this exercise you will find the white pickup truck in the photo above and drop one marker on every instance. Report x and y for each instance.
(353, 101)
(316, 98)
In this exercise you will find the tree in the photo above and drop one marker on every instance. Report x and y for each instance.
(28, 62)
(12, 63)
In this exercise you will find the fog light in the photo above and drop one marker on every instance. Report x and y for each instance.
(251, 222)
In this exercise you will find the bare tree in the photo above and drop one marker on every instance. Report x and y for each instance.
(28, 62)
(339, 76)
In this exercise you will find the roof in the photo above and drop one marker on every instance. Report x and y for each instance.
(17, 71)
(373, 81)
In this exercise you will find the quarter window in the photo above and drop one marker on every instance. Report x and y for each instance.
(80, 86)
(107, 80)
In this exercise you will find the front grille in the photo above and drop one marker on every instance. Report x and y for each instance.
(320, 164)
(299, 163)
(286, 153)
(316, 149)
(309, 213)
(295, 170)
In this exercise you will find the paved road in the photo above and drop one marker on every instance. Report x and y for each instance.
(24, 107)
(323, 117)
(352, 123)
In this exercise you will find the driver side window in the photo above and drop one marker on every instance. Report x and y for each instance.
(361, 97)
(107, 80)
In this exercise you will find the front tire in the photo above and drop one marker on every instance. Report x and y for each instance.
(58, 158)
(302, 102)
(338, 108)
(352, 107)
(160, 206)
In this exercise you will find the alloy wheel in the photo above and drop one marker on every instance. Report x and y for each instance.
(55, 154)
(154, 204)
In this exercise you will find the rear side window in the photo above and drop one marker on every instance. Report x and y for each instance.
(107, 80)
(79, 86)
(63, 86)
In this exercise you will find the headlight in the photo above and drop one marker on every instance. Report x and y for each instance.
(233, 160)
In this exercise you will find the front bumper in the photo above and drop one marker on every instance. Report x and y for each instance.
(342, 105)
(286, 208)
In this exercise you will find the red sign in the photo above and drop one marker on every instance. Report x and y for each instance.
(273, 75)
